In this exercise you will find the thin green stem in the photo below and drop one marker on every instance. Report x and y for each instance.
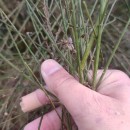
(89, 17)
(96, 61)
(114, 51)
(76, 40)
(16, 68)
(103, 5)
(51, 38)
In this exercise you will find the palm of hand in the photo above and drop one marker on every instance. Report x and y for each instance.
(112, 104)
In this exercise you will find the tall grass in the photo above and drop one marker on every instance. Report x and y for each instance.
(72, 32)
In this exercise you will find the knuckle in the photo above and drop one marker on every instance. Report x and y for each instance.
(63, 82)
(120, 73)
(114, 77)
(61, 79)
(49, 121)
(121, 77)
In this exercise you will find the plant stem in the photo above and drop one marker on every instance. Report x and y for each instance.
(103, 5)
(113, 52)
(76, 41)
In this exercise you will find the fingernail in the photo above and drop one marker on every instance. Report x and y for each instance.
(49, 67)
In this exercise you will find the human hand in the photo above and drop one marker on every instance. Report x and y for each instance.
(106, 109)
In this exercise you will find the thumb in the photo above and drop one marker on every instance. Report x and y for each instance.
(69, 91)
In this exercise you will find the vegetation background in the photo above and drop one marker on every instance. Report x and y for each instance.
(80, 35)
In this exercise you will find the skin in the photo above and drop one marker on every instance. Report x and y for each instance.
(106, 109)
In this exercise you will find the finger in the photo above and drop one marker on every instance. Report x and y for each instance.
(50, 121)
(115, 84)
(69, 91)
(110, 77)
(33, 100)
